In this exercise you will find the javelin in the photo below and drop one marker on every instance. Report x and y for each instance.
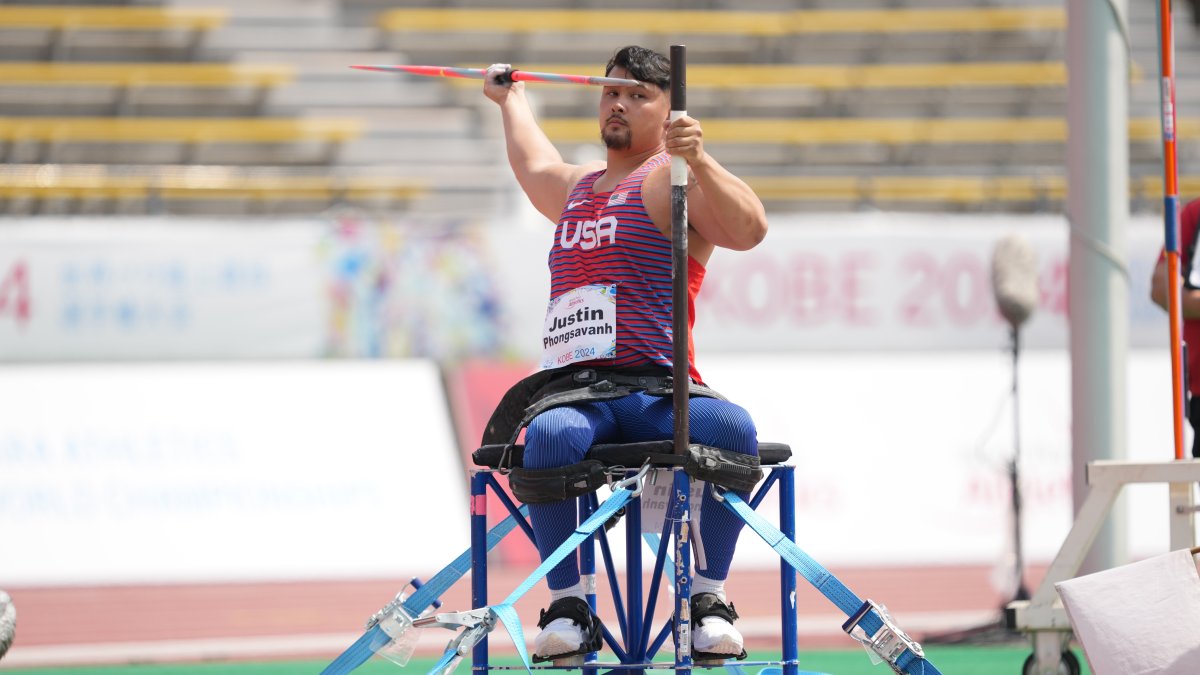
(1166, 39)
(510, 75)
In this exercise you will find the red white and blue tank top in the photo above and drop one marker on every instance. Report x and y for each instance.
(606, 243)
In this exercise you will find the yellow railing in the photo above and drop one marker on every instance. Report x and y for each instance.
(178, 129)
(146, 74)
(719, 22)
(110, 18)
(886, 131)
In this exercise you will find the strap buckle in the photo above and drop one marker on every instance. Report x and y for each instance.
(638, 480)
(392, 619)
(395, 621)
(397, 613)
(888, 643)
(476, 624)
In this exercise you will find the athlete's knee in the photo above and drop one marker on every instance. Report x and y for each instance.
(725, 425)
(742, 428)
(557, 437)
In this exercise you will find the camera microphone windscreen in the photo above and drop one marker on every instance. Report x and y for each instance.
(1015, 279)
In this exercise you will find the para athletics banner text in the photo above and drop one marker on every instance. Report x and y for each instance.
(149, 289)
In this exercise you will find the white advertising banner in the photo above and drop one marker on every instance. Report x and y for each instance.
(145, 289)
(902, 458)
(159, 472)
(862, 281)
(885, 281)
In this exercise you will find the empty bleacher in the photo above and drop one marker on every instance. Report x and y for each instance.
(820, 104)
(47, 189)
(808, 36)
(59, 31)
(55, 88)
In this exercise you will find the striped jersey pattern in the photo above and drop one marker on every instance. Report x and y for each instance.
(608, 237)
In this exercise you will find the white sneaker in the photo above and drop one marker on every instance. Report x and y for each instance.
(716, 636)
(560, 636)
(713, 636)
(569, 631)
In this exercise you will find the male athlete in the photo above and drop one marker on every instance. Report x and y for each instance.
(610, 316)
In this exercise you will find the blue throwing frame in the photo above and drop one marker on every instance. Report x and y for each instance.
(637, 642)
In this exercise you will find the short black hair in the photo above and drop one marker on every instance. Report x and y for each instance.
(643, 65)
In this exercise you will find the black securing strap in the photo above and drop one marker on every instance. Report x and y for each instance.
(709, 604)
(729, 469)
(579, 612)
(547, 486)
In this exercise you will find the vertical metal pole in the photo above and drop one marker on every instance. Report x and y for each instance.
(1097, 212)
(679, 259)
(479, 656)
(1166, 92)
(587, 560)
(633, 579)
(681, 509)
(1014, 474)
(787, 573)
(681, 512)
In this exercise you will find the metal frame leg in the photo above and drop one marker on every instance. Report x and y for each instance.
(479, 592)
(587, 559)
(681, 513)
(789, 630)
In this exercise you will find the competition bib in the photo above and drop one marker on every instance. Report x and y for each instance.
(581, 325)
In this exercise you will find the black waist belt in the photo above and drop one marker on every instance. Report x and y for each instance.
(606, 386)
(553, 388)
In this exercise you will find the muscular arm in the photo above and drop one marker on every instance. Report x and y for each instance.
(537, 164)
(1189, 299)
(721, 207)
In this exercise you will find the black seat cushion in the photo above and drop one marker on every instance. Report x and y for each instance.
(625, 454)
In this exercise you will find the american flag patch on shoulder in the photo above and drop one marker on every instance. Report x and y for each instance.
(618, 199)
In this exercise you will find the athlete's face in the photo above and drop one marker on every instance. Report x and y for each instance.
(632, 117)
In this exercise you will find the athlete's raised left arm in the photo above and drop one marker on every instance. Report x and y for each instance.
(721, 207)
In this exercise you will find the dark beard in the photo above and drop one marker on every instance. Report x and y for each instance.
(618, 140)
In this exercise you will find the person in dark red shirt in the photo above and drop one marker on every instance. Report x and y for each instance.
(1189, 301)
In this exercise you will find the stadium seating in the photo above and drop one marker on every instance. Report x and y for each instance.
(726, 22)
(806, 90)
(208, 190)
(122, 87)
(54, 29)
(883, 131)
(797, 36)
(56, 135)
(838, 104)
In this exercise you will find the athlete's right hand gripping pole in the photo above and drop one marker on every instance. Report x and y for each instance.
(682, 371)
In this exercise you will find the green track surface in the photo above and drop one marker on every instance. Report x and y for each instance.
(949, 660)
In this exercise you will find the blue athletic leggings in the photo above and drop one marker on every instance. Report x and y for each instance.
(561, 436)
